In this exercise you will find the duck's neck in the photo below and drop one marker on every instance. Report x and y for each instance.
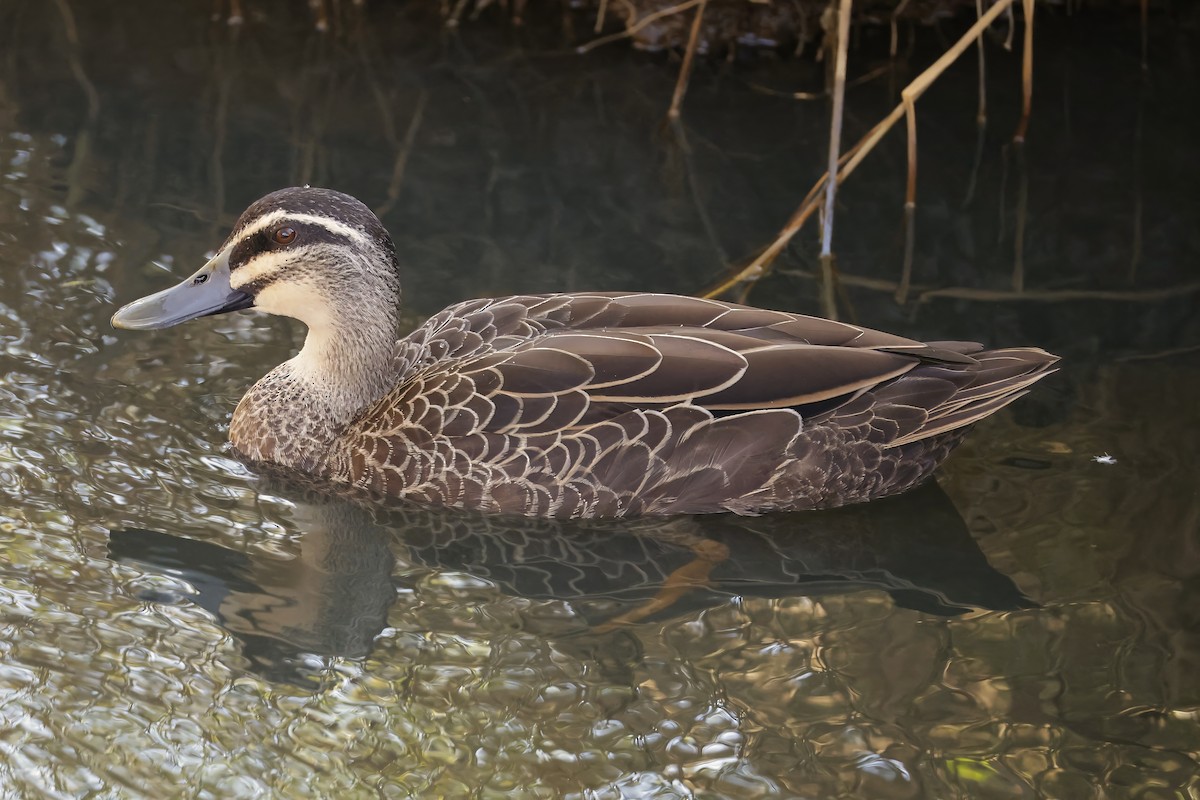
(293, 415)
(346, 363)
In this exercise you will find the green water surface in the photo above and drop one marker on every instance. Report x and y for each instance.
(173, 625)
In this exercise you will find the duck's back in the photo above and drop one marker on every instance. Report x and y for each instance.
(588, 405)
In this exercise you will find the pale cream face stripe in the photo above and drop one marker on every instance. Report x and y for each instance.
(267, 220)
(261, 266)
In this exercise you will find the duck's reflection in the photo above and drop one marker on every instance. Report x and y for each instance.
(334, 598)
(331, 600)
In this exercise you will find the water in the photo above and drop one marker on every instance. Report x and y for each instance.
(172, 624)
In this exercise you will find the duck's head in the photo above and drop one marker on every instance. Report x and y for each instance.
(317, 255)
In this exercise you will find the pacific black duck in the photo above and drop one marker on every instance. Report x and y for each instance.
(592, 404)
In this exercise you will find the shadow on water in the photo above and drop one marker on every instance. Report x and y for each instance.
(333, 598)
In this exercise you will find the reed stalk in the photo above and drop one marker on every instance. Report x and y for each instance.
(758, 267)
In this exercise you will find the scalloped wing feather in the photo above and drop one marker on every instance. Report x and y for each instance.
(608, 404)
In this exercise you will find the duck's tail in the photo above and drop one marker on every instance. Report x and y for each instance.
(1001, 377)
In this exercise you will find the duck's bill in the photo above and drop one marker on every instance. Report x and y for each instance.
(205, 293)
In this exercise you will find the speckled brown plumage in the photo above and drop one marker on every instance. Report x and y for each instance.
(571, 405)
(594, 404)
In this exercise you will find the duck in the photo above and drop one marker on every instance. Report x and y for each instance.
(573, 404)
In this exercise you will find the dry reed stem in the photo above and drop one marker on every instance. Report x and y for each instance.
(601, 13)
(828, 301)
(758, 267)
(685, 71)
(637, 26)
(1026, 74)
(835, 122)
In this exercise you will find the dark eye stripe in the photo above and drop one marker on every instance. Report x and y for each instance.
(306, 234)
(245, 250)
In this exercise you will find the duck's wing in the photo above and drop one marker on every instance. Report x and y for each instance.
(568, 379)
(680, 415)
(480, 326)
(556, 363)
(687, 401)
(545, 363)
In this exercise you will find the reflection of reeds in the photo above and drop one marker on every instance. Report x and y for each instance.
(403, 148)
(1135, 257)
(224, 68)
(1018, 272)
(402, 154)
(84, 138)
(923, 294)
(202, 158)
(1145, 13)
(680, 147)
(754, 271)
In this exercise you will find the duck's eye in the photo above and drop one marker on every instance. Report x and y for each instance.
(284, 235)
